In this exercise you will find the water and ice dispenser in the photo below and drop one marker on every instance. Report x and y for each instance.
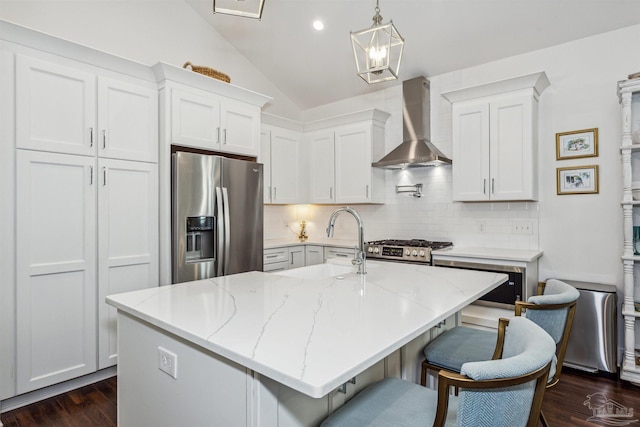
(200, 235)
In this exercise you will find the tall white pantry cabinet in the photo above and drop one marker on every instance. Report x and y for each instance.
(79, 159)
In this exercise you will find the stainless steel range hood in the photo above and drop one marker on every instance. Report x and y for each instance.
(416, 150)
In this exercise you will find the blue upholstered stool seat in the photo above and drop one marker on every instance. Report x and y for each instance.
(392, 402)
(460, 345)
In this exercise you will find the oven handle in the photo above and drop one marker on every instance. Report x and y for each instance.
(478, 266)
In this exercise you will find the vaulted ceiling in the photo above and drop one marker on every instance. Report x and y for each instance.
(316, 67)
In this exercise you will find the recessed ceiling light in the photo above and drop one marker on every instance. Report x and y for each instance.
(318, 25)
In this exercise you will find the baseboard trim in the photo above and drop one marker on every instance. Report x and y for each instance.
(56, 389)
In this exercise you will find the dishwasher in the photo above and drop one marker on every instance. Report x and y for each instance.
(592, 343)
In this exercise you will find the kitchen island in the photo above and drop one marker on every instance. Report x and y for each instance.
(277, 349)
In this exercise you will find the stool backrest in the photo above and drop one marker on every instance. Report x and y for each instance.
(553, 310)
(506, 391)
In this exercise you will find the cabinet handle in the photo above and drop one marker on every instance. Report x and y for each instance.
(493, 182)
(272, 256)
(104, 139)
(224, 136)
(342, 255)
(331, 193)
(484, 186)
(90, 175)
(367, 191)
(91, 137)
(291, 258)
(275, 193)
(217, 135)
(104, 176)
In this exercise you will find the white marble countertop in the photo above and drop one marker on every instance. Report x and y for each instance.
(489, 253)
(326, 241)
(309, 334)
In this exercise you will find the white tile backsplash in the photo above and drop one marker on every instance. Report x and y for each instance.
(434, 216)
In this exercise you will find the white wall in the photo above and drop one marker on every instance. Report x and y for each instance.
(147, 32)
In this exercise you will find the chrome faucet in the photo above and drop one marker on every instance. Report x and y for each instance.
(360, 257)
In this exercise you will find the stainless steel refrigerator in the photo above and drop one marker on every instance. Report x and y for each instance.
(217, 216)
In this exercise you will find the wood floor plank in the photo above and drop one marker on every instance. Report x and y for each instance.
(95, 405)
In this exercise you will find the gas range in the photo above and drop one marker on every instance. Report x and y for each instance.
(413, 250)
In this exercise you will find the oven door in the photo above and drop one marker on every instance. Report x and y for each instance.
(506, 294)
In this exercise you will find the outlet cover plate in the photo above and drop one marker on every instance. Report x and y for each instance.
(168, 362)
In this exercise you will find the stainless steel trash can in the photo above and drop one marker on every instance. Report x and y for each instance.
(593, 339)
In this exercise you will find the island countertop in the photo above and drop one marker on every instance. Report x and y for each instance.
(310, 334)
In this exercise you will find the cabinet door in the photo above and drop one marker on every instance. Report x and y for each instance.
(127, 121)
(471, 151)
(314, 255)
(56, 268)
(512, 149)
(336, 252)
(322, 166)
(128, 241)
(285, 166)
(353, 164)
(296, 257)
(265, 159)
(195, 119)
(240, 127)
(55, 107)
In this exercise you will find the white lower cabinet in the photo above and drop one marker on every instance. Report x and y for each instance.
(58, 229)
(56, 268)
(314, 254)
(284, 258)
(127, 241)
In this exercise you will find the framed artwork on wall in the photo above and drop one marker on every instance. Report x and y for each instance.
(577, 144)
(577, 180)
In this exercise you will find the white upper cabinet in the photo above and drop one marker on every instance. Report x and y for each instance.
(321, 150)
(495, 132)
(280, 154)
(127, 121)
(341, 150)
(66, 109)
(202, 112)
(55, 107)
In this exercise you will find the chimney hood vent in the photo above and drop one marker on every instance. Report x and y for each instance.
(416, 150)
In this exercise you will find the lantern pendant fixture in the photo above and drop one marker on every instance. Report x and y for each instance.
(377, 50)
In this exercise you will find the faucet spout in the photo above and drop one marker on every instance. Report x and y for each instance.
(360, 256)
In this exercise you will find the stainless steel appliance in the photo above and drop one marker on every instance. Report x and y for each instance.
(419, 251)
(413, 250)
(217, 216)
(592, 343)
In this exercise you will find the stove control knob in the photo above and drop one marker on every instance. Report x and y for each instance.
(407, 252)
(376, 250)
(370, 250)
(421, 253)
(414, 253)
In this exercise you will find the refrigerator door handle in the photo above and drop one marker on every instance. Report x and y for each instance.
(227, 230)
(221, 255)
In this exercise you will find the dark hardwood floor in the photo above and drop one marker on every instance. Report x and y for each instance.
(95, 405)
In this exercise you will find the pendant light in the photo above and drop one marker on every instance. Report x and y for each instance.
(377, 50)
(244, 8)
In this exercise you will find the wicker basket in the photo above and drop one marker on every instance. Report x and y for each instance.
(209, 72)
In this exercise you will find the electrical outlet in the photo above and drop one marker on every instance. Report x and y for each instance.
(168, 362)
(522, 226)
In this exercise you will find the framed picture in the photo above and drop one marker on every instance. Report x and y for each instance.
(578, 180)
(577, 144)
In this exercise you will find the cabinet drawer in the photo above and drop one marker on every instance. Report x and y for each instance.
(276, 255)
(334, 252)
(276, 266)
